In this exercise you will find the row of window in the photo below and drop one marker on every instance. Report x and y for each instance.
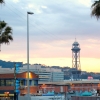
(10, 82)
(6, 82)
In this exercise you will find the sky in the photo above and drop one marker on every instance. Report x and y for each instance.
(52, 29)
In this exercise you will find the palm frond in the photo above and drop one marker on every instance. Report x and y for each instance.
(94, 3)
(3, 24)
(96, 9)
(4, 40)
(8, 30)
(10, 38)
(2, 1)
(5, 33)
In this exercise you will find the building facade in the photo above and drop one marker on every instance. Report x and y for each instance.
(57, 76)
(7, 82)
(47, 74)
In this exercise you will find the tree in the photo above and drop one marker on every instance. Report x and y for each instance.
(2, 1)
(5, 33)
(96, 9)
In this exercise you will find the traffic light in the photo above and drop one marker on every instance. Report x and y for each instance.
(17, 85)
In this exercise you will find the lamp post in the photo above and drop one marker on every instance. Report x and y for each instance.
(28, 88)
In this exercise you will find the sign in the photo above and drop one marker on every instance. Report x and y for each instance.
(17, 67)
(17, 85)
(90, 78)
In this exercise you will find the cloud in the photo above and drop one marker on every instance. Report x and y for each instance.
(30, 5)
(15, 1)
(58, 19)
(52, 29)
(44, 7)
(86, 3)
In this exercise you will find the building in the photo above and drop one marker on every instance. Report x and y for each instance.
(7, 82)
(57, 76)
(67, 85)
(9, 64)
(47, 74)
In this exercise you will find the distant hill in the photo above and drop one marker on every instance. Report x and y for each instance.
(9, 64)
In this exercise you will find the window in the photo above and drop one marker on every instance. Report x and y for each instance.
(2, 82)
(36, 82)
(32, 83)
(9, 82)
(21, 82)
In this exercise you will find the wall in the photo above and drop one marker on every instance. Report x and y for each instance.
(76, 87)
(33, 89)
(20, 75)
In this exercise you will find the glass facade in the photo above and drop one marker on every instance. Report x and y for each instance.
(57, 76)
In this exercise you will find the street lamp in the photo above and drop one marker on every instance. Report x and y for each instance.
(28, 90)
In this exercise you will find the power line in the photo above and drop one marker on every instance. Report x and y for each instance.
(46, 31)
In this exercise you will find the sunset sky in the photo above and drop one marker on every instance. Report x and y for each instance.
(53, 28)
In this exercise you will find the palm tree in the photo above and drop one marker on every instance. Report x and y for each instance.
(96, 9)
(5, 33)
(2, 1)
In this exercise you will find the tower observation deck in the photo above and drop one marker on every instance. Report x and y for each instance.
(76, 67)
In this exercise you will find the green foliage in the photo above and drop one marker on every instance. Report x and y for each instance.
(96, 9)
(2, 1)
(5, 33)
